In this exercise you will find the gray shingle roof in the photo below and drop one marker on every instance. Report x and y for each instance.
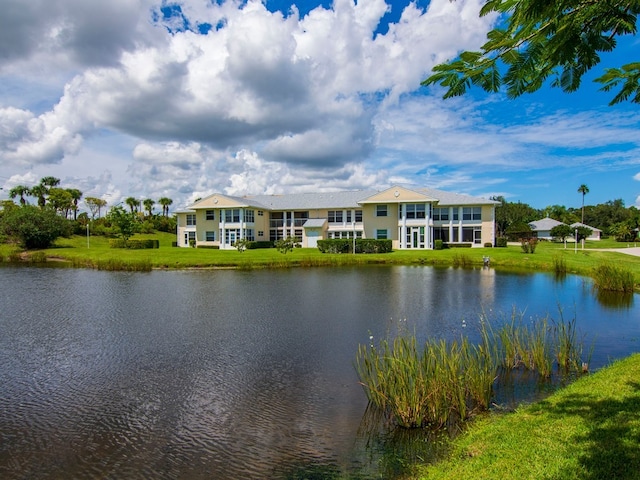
(544, 225)
(345, 199)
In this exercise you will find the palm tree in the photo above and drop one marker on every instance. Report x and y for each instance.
(133, 203)
(20, 191)
(583, 190)
(76, 195)
(148, 205)
(165, 202)
(40, 191)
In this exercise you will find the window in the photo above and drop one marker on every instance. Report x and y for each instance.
(456, 213)
(415, 210)
(260, 213)
(381, 234)
(248, 235)
(441, 213)
(472, 213)
(232, 216)
(249, 216)
(348, 216)
(189, 237)
(210, 236)
(210, 215)
(441, 233)
(467, 234)
(358, 216)
(381, 210)
(231, 236)
(334, 216)
(260, 233)
(191, 219)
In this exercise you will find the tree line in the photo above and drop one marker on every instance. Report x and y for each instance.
(612, 217)
(55, 214)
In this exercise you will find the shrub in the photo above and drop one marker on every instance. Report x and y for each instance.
(34, 227)
(488, 245)
(363, 245)
(438, 245)
(257, 245)
(134, 244)
(501, 241)
(529, 244)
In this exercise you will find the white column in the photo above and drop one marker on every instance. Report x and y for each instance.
(403, 228)
(242, 226)
(223, 230)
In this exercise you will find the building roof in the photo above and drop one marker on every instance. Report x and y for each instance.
(544, 225)
(315, 223)
(578, 224)
(329, 200)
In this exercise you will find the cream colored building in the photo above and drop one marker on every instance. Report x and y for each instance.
(411, 218)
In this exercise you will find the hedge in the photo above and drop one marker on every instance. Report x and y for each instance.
(363, 245)
(134, 244)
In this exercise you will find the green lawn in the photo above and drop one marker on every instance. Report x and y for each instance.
(545, 257)
(589, 430)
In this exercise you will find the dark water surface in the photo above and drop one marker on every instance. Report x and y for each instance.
(234, 374)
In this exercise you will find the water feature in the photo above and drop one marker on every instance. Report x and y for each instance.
(235, 374)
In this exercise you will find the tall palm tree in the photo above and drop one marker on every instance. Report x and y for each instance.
(165, 202)
(40, 192)
(20, 191)
(583, 189)
(148, 205)
(133, 203)
(76, 195)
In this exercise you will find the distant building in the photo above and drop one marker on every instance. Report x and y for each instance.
(542, 228)
(411, 219)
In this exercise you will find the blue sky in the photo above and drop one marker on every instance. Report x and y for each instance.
(153, 98)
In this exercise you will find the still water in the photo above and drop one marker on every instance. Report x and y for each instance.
(235, 374)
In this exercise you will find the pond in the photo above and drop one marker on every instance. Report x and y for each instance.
(237, 374)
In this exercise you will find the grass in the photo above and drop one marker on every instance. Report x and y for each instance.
(589, 430)
(613, 278)
(549, 256)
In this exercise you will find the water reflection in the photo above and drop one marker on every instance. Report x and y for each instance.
(230, 374)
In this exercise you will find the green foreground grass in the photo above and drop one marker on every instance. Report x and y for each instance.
(589, 430)
(545, 258)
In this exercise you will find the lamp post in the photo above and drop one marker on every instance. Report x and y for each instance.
(87, 233)
(576, 243)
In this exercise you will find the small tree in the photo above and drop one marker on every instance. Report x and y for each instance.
(241, 245)
(125, 222)
(583, 233)
(561, 232)
(286, 245)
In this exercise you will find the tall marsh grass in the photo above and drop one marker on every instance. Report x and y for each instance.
(613, 278)
(442, 383)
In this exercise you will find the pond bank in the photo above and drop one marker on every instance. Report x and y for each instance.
(588, 430)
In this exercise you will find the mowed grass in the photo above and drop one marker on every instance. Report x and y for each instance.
(546, 257)
(589, 430)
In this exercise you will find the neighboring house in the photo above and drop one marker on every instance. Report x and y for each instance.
(595, 232)
(542, 228)
(412, 219)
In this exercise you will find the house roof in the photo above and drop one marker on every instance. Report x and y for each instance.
(578, 224)
(544, 225)
(342, 199)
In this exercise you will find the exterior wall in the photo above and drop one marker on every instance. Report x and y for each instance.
(488, 225)
(372, 223)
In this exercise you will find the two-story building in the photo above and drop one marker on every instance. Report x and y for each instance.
(411, 218)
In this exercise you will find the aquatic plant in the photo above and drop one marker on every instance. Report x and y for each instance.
(613, 278)
(446, 382)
